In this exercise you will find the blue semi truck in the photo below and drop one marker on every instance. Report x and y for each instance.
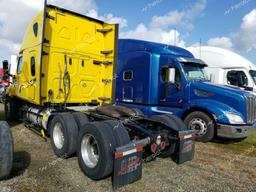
(163, 79)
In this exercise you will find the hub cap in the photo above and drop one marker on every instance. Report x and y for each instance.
(58, 135)
(199, 125)
(90, 151)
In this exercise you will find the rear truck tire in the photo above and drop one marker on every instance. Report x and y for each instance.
(175, 123)
(170, 120)
(64, 134)
(6, 150)
(97, 142)
(180, 123)
(121, 134)
(81, 119)
(11, 109)
(203, 123)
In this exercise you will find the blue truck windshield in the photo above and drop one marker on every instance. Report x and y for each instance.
(194, 71)
(253, 74)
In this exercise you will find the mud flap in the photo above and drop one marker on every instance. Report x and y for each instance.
(127, 166)
(185, 147)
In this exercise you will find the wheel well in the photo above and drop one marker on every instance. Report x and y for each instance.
(197, 109)
(204, 111)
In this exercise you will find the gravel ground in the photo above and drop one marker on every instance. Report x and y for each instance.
(37, 169)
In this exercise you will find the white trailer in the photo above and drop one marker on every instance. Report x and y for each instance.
(226, 67)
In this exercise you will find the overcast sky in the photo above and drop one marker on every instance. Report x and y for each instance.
(228, 24)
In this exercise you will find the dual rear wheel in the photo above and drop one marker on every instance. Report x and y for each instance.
(64, 130)
(64, 134)
(94, 142)
(97, 143)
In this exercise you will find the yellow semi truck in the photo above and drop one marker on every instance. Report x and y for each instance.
(63, 87)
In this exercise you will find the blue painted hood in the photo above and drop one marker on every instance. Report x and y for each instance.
(235, 98)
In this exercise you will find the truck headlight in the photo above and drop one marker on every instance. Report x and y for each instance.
(234, 118)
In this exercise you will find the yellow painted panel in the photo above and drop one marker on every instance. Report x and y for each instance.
(78, 39)
(74, 67)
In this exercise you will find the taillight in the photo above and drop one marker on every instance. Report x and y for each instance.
(162, 146)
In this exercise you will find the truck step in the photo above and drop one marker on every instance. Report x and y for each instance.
(36, 129)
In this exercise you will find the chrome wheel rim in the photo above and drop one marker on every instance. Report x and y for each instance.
(199, 125)
(58, 136)
(90, 151)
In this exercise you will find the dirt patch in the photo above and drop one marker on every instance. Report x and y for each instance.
(215, 168)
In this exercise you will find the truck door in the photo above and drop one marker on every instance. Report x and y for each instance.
(26, 76)
(127, 90)
(238, 78)
(171, 87)
(32, 80)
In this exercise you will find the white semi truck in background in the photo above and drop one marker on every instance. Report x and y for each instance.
(226, 67)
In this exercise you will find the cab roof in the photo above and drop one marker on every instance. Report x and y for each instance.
(221, 58)
(130, 45)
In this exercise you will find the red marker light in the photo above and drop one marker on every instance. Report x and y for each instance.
(162, 146)
(153, 148)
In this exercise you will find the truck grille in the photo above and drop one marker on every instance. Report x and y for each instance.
(251, 109)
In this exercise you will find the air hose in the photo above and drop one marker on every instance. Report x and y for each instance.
(66, 82)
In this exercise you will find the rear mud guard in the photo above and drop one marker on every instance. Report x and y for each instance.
(185, 147)
(128, 163)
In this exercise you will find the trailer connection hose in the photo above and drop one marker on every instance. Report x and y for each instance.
(66, 82)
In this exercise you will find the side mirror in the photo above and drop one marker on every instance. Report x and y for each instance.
(5, 70)
(5, 66)
(13, 65)
(171, 75)
(248, 88)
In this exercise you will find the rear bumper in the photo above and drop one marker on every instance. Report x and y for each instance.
(235, 131)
